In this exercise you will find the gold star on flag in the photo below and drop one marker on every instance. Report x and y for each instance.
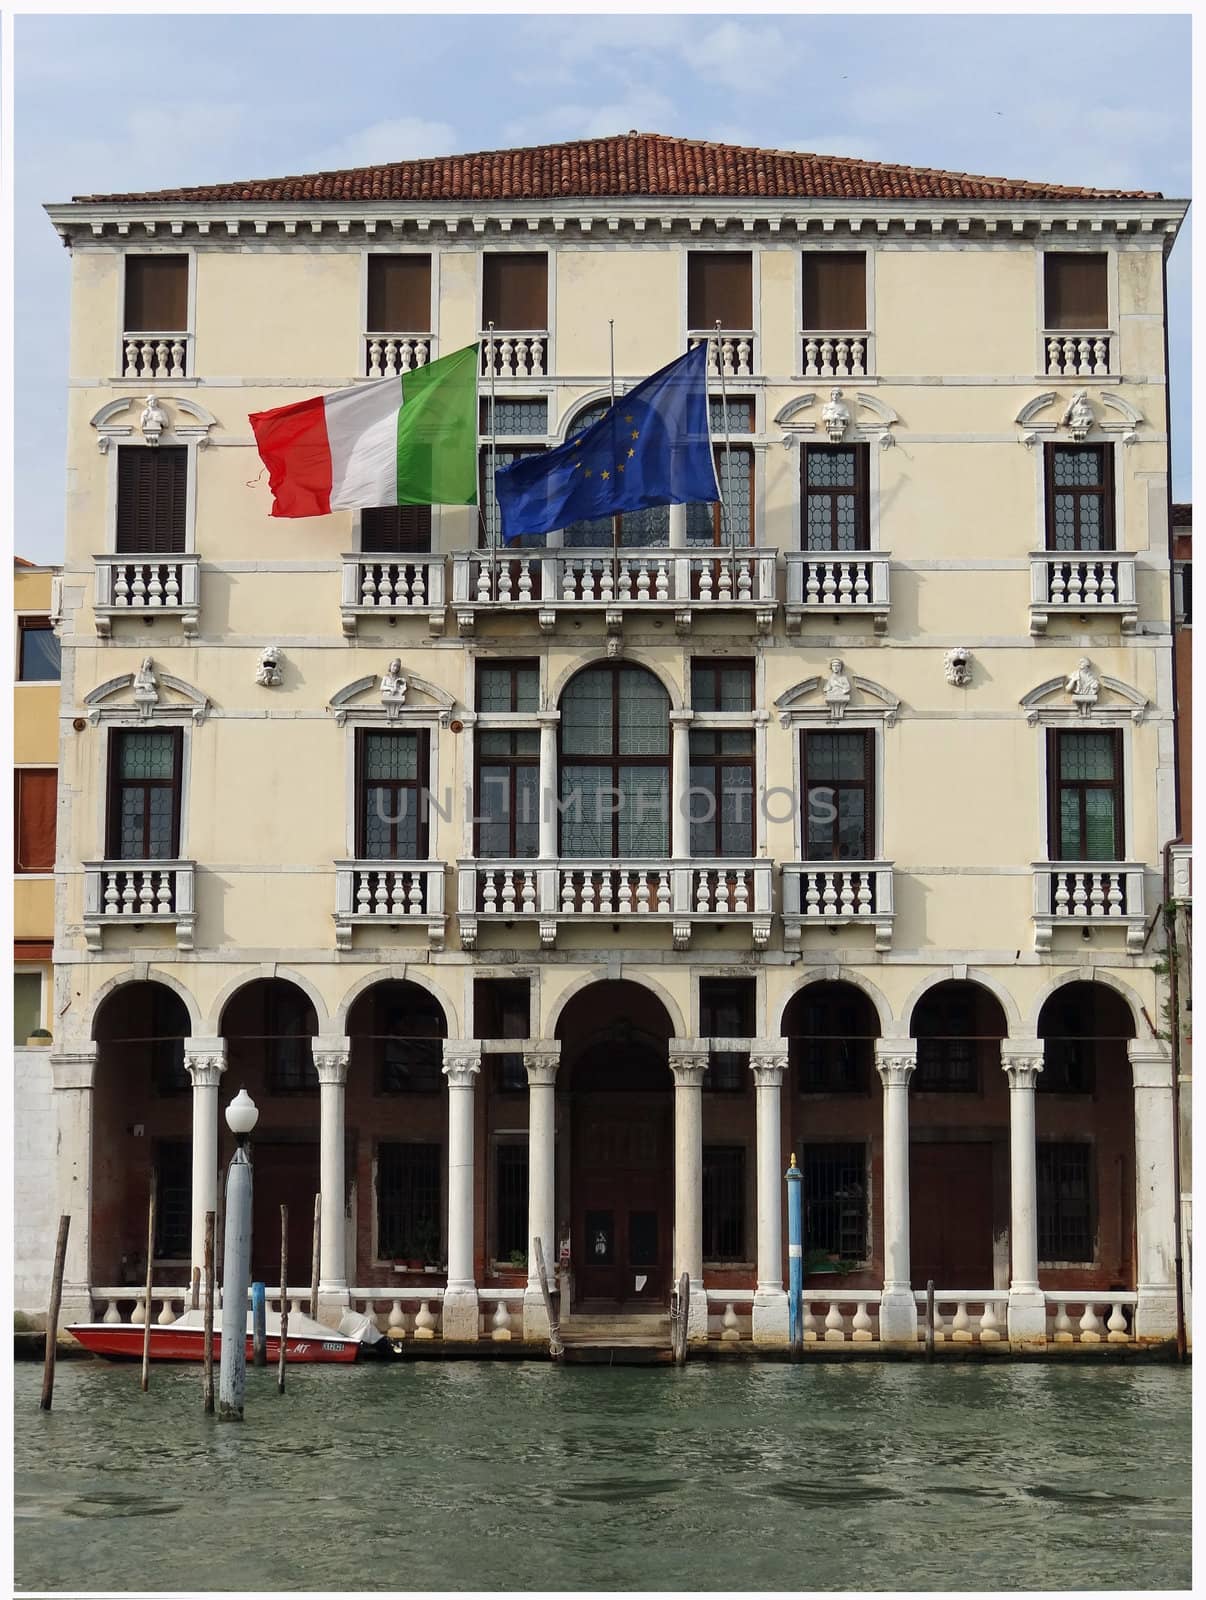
(620, 467)
(586, 474)
(577, 464)
(628, 419)
(636, 434)
(632, 452)
(605, 474)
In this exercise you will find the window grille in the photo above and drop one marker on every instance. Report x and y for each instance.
(173, 1199)
(408, 1202)
(837, 514)
(1084, 778)
(514, 418)
(1080, 497)
(835, 1199)
(1065, 1230)
(723, 1202)
(144, 794)
(511, 1201)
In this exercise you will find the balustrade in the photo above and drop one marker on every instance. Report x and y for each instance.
(975, 1317)
(833, 354)
(820, 584)
(1078, 355)
(134, 893)
(730, 352)
(831, 894)
(395, 585)
(167, 585)
(1087, 893)
(153, 357)
(519, 354)
(1092, 582)
(1106, 1318)
(388, 355)
(388, 893)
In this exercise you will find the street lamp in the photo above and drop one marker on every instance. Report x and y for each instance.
(241, 1117)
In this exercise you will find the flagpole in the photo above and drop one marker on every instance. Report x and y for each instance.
(726, 519)
(615, 535)
(491, 531)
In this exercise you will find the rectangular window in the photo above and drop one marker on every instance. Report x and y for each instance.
(720, 288)
(408, 1202)
(156, 294)
(1080, 497)
(515, 292)
(832, 1054)
(722, 792)
(27, 1005)
(511, 1203)
(1065, 1213)
(489, 527)
(723, 1202)
(173, 1199)
(706, 520)
(501, 1010)
(508, 792)
(1075, 290)
(726, 1011)
(1084, 779)
(835, 497)
(1067, 1066)
(835, 1199)
(508, 686)
(395, 530)
(40, 651)
(144, 794)
(408, 1066)
(152, 494)
(391, 796)
(839, 795)
(399, 294)
(722, 685)
(34, 806)
(513, 418)
(835, 291)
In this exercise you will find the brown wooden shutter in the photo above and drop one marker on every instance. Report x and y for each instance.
(869, 793)
(156, 294)
(395, 530)
(835, 291)
(515, 292)
(1076, 293)
(1055, 843)
(720, 288)
(152, 491)
(399, 294)
(36, 800)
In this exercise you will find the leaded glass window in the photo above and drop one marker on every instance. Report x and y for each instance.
(722, 685)
(508, 686)
(615, 764)
(514, 418)
(722, 793)
(391, 784)
(1080, 497)
(489, 525)
(706, 522)
(1086, 794)
(508, 792)
(144, 796)
(835, 497)
(839, 795)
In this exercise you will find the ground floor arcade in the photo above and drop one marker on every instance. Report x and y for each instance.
(1028, 1174)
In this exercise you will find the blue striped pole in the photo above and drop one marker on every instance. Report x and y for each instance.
(795, 1256)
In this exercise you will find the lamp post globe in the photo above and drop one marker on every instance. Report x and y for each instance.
(242, 1114)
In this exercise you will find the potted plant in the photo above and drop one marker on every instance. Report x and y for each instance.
(817, 1262)
(518, 1259)
(39, 1036)
(427, 1244)
(410, 1256)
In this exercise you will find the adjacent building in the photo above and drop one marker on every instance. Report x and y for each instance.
(567, 891)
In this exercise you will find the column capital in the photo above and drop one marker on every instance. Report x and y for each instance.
(688, 1066)
(1151, 1063)
(682, 718)
(205, 1068)
(769, 1069)
(541, 1063)
(462, 1065)
(895, 1061)
(74, 1069)
(548, 719)
(331, 1053)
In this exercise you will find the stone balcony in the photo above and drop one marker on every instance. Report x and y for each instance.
(1089, 895)
(730, 352)
(389, 894)
(147, 587)
(156, 357)
(837, 894)
(136, 894)
(835, 353)
(517, 353)
(388, 355)
(837, 587)
(552, 893)
(388, 587)
(1088, 354)
(616, 584)
(1082, 586)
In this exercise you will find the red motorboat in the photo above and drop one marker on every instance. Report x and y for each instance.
(184, 1339)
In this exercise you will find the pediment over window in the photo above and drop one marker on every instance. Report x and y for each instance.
(157, 417)
(1083, 695)
(148, 695)
(835, 695)
(840, 415)
(1077, 415)
(393, 695)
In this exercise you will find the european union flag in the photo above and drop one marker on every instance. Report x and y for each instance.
(652, 448)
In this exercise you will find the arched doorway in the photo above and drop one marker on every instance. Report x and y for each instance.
(397, 1132)
(614, 1069)
(1084, 1126)
(141, 1135)
(959, 1140)
(269, 1025)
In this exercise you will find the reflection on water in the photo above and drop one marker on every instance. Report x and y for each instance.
(478, 1476)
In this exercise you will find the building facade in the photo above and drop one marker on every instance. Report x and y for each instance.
(825, 822)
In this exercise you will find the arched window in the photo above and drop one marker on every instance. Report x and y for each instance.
(615, 764)
(958, 1026)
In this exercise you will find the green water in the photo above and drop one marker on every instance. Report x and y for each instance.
(470, 1475)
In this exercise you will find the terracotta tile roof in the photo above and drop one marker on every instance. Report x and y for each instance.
(20, 561)
(631, 164)
(1182, 515)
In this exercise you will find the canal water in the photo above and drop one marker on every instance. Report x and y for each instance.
(474, 1475)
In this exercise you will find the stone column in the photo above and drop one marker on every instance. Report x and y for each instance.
(462, 1064)
(205, 1061)
(331, 1064)
(73, 1073)
(688, 1063)
(677, 535)
(547, 831)
(680, 782)
(895, 1060)
(1155, 1192)
(541, 1061)
(770, 1320)
(1022, 1060)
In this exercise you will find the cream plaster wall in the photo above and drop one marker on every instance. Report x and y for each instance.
(299, 315)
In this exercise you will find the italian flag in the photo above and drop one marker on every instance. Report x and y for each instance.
(405, 441)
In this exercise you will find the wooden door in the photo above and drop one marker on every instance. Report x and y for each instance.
(950, 1211)
(283, 1174)
(622, 1210)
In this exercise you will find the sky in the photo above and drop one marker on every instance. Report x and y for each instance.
(106, 104)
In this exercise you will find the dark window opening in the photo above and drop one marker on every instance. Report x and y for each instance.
(408, 1203)
(395, 530)
(152, 498)
(723, 1202)
(726, 1011)
(839, 795)
(399, 294)
(156, 294)
(515, 296)
(511, 1203)
(1065, 1220)
(501, 1010)
(835, 1200)
(173, 1199)
(40, 651)
(836, 498)
(835, 291)
(831, 1030)
(1075, 290)
(144, 795)
(958, 1027)
(720, 288)
(391, 796)
(1085, 800)
(1080, 497)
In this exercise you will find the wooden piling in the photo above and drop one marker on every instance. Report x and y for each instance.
(314, 1259)
(280, 1365)
(207, 1358)
(556, 1348)
(195, 1295)
(52, 1315)
(146, 1321)
(929, 1319)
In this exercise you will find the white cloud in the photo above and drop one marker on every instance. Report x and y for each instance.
(741, 55)
(647, 110)
(400, 139)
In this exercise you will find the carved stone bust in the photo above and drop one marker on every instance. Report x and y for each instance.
(153, 421)
(958, 666)
(393, 684)
(837, 688)
(1083, 686)
(835, 415)
(146, 689)
(268, 673)
(1079, 416)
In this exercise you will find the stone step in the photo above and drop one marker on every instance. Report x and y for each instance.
(654, 1330)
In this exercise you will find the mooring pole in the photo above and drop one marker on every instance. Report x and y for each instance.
(929, 1319)
(556, 1348)
(241, 1115)
(52, 1315)
(207, 1320)
(315, 1258)
(146, 1321)
(280, 1360)
(795, 1258)
(259, 1325)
